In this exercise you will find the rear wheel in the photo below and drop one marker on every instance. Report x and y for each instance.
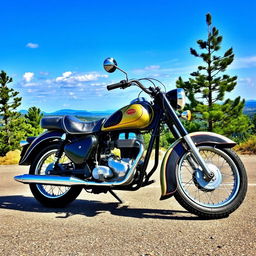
(51, 195)
(219, 197)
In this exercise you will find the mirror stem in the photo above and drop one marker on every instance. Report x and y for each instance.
(123, 72)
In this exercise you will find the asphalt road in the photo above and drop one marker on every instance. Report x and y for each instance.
(97, 225)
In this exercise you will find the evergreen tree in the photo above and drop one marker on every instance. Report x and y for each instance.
(33, 117)
(207, 86)
(9, 101)
(13, 126)
(19, 130)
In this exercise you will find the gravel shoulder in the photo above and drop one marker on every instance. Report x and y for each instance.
(97, 225)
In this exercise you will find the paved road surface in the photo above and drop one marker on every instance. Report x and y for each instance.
(97, 225)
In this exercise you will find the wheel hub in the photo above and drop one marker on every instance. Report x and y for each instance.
(201, 183)
(49, 169)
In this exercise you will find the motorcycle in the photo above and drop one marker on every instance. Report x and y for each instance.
(199, 169)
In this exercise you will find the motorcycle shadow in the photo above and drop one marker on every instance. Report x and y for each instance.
(91, 209)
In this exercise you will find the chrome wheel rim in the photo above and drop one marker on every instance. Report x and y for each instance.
(217, 193)
(50, 191)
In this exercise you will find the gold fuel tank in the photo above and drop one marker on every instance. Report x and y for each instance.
(135, 116)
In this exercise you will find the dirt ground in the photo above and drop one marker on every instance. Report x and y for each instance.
(98, 225)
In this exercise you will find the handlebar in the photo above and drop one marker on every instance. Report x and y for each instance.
(124, 84)
(142, 87)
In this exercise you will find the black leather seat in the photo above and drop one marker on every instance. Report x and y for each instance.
(52, 123)
(71, 124)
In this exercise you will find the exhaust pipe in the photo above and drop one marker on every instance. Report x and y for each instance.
(49, 180)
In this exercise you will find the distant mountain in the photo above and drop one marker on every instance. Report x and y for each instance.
(250, 107)
(84, 113)
(72, 112)
(250, 104)
(69, 112)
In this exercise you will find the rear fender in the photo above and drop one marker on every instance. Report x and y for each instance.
(42, 140)
(177, 150)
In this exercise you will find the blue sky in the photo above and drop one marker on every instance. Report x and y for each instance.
(54, 50)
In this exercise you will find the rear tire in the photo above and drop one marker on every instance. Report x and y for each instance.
(225, 194)
(51, 195)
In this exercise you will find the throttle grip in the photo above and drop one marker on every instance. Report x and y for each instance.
(121, 84)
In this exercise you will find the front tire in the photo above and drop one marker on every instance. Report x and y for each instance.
(51, 195)
(219, 197)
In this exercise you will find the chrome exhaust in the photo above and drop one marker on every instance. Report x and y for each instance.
(49, 180)
(74, 181)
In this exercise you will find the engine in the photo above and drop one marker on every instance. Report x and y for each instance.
(117, 156)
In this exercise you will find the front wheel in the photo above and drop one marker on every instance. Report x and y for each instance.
(51, 195)
(219, 197)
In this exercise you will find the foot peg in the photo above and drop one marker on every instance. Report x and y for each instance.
(148, 182)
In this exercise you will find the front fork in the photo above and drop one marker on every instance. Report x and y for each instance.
(196, 156)
(180, 132)
(195, 152)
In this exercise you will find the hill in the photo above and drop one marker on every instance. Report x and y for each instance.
(250, 107)
(82, 114)
(79, 113)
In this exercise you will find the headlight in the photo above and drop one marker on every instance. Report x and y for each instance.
(177, 98)
(181, 98)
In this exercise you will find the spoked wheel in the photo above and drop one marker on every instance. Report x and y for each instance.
(51, 195)
(218, 197)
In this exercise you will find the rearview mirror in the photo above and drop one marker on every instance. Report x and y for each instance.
(110, 65)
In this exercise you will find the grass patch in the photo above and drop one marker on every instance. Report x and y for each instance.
(247, 147)
(11, 157)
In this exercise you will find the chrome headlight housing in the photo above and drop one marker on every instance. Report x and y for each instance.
(177, 98)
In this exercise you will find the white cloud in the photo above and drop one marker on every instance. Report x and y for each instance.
(158, 71)
(44, 73)
(30, 84)
(146, 69)
(71, 77)
(32, 45)
(244, 62)
(152, 67)
(98, 84)
(248, 60)
(72, 95)
(250, 81)
(67, 74)
(64, 76)
(69, 86)
(89, 77)
(28, 76)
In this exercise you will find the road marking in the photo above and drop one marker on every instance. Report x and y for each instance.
(155, 186)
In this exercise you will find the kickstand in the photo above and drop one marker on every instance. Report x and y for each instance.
(116, 196)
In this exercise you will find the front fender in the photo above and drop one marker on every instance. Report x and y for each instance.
(175, 152)
(42, 140)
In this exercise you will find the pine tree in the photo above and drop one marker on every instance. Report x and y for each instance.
(33, 117)
(9, 101)
(207, 86)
